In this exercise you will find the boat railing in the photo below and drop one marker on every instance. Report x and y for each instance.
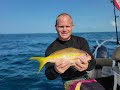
(100, 44)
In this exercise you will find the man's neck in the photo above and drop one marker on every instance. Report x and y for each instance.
(65, 39)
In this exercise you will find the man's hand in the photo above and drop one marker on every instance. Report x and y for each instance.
(82, 63)
(61, 66)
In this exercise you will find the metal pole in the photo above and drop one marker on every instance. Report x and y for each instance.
(116, 24)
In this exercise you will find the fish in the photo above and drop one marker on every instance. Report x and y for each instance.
(70, 54)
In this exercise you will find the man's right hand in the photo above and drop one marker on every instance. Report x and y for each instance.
(61, 66)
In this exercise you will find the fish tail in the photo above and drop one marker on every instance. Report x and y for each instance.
(41, 60)
(78, 86)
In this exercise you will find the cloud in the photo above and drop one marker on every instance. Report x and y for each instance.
(113, 23)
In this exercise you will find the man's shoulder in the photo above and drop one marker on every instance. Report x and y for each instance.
(53, 44)
(50, 48)
(78, 38)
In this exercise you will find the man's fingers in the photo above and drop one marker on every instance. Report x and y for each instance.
(66, 67)
(79, 64)
(58, 63)
(64, 64)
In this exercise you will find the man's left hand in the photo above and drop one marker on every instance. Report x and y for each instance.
(82, 63)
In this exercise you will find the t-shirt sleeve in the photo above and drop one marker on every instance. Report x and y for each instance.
(49, 67)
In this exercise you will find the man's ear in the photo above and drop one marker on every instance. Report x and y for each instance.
(56, 27)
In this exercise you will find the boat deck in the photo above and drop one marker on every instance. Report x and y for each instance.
(107, 82)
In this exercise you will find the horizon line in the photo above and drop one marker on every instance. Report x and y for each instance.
(56, 32)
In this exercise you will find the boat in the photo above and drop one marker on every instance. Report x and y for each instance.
(107, 70)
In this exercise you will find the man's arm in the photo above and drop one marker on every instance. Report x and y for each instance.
(49, 67)
(85, 46)
(50, 71)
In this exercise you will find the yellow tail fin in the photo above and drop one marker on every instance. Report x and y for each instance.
(41, 60)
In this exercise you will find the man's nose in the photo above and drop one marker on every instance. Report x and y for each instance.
(64, 28)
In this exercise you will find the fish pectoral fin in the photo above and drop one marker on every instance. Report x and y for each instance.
(78, 86)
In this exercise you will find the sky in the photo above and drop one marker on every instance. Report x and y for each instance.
(38, 16)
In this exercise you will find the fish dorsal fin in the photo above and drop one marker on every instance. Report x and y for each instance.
(66, 50)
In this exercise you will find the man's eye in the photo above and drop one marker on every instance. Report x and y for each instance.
(67, 26)
(61, 26)
(64, 26)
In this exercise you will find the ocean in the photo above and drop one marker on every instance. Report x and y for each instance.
(17, 72)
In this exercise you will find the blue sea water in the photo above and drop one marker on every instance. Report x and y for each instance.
(17, 72)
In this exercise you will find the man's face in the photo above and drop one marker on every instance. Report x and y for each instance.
(64, 27)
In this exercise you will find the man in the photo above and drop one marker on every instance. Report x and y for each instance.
(64, 27)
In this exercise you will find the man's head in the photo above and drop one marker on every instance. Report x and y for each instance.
(64, 26)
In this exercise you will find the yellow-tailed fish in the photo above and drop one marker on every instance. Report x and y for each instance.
(70, 54)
